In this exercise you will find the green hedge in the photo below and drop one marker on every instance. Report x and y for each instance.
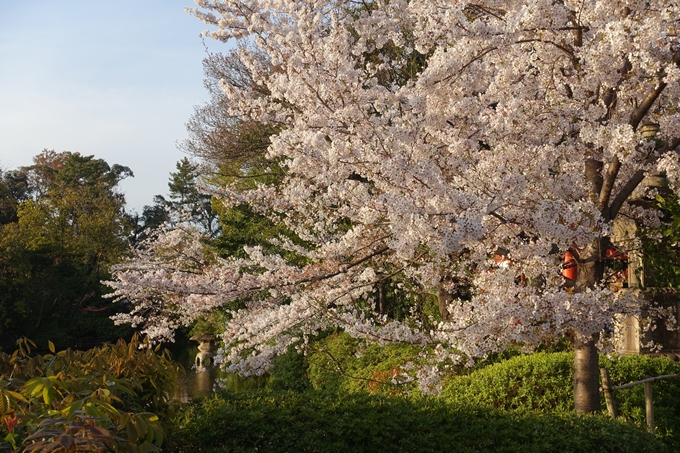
(316, 422)
(336, 362)
(666, 393)
(339, 363)
(539, 381)
(544, 382)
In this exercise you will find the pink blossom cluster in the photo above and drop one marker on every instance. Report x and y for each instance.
(482, 144)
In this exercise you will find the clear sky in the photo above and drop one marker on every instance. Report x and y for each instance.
(117, 79)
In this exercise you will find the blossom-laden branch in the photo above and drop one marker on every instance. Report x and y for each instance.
(430, 130)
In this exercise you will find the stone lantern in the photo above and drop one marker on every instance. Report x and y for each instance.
(206, 349)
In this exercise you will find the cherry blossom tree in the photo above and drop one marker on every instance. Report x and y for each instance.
(419, 139)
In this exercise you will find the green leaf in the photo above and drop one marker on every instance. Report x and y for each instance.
(47, 395)
(4, 403)
(16, 395)
(103, 405)
(131, 432)
(71, 409)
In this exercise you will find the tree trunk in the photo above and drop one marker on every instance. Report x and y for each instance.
(586, 377)
(380, 303)
(586, 369)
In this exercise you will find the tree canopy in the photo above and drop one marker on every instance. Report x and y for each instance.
(65, 226)
(421, 139)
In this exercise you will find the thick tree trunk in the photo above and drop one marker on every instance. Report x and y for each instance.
(586, 369)
(586, 377)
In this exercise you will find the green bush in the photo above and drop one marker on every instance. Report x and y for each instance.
(321, 422)
(340, 363)
(544, 382)
(539, 381)
(289, 372)
(666, 393)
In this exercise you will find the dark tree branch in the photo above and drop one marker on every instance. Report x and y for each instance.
(636, 118)
(670, 146)
(608, 184)
(623, 194)
(640, 112)
(635, 181)
(594, 178)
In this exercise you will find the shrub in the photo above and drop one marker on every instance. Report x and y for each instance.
(289, 372)
(666, 393)
(340, 363)
(544, 382)
(539, 381)
(95, 400)
(321, 422)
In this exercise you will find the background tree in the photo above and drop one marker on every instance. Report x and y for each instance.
(13, 190)
(231, 146)
(187, 202)
(152, 218)
(187, 197)
(68, 230)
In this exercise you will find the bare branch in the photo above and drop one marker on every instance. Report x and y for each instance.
(640, 112)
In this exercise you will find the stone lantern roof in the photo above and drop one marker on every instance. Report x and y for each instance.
(204, 338)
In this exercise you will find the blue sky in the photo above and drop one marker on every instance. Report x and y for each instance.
(117, 79)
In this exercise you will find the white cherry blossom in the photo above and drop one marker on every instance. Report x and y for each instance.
(485, 142)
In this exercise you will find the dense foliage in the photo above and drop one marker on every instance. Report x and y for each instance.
(108, 398)
(341, 363)
(63, 225)
(661, 246)
(543, 382)
(319, 422)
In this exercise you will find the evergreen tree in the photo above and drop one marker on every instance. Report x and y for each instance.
(68, 228)
(186, 197)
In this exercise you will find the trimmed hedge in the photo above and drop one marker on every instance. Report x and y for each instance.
(316, 422)
(539, 381)
(666, 393)
(544, 382)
